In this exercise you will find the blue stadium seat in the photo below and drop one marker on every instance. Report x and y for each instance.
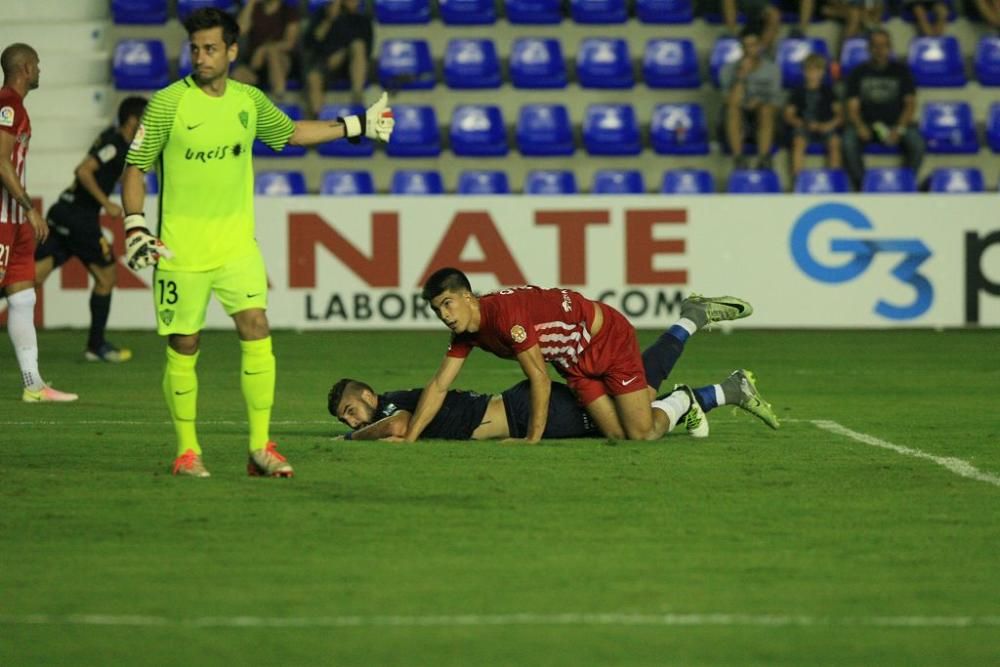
(726, 50)
(471, 63)
(598, 11)
(889, 180)
(346, 183)
(664, 11)
(341, 147)
(533, 11)
(483, 182)
(671, 63)
(260, 149)
(937, 62)
(948, 127)
(543, 130)
(687, 182)
(822, 181)
(611, 129)
(987, 61)
(853, 53)
(550, 182)
(184, 60)
(140, 64)
(957, 180)
(314, 5)
(139, 12)
(993, 127)
(537, 62)
(416, 132)
(279, 183)
(402, 11)
(416, 182)
(679, 129)
(467, 12)
(152, 184)
(791, 53)
(405, 64)
(185, 7)
(618, 182)
(604, 62)
(753, 182)
(478, 129)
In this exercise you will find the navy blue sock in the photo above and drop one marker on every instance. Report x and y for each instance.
(100, 306)
(659, 358)
(706, 397)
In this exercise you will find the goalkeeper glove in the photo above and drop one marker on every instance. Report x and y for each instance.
(142, 249)
(375, 123)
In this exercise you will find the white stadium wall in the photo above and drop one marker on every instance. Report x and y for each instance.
(803, 261)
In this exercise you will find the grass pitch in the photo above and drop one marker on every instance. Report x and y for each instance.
(796, 547)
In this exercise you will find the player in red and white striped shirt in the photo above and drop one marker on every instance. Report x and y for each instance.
(20, 224)
(589, 343)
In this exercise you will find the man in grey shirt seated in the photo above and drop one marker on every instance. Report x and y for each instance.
(751, 87)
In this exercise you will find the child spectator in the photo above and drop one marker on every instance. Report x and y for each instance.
(814, 115)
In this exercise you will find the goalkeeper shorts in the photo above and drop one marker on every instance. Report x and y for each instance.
(181, 297)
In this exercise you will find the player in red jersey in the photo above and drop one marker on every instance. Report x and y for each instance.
(20, 224)
(589, 343)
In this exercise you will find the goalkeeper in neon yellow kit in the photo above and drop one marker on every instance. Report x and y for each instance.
(199, 132)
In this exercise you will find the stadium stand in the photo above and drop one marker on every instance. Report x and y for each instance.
(537, 62)
(417, 182)
(993, 127)
(483, 182)
(611, 129)
(402, 11)
(550, 182)
(937, 62)
(185, 7)
(280, 183)
(533, 11)
(956, 180)
(139, 12)
(889, 180)
(687, 182)
(679, 129)
(544, 130)
(471, 63)
(618, 182)
(346, 183)
(853, 53)
(947, 127)
(671, 63)
(665, 11)
(604, 62)
(987, 61)
(753, 182)
(478, 130)
(725, 50)
(467, 12)
(140, 64)
(822, 181)
(405, 64)
(365, 147)
(416, 133)
(598, 11)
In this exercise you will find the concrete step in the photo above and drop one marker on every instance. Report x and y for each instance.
(57, 37)
(28, 11)
(75, 69)
(58, 135)
(83, 102)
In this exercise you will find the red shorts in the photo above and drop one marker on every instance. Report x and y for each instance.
(612, 364)
(17, 253)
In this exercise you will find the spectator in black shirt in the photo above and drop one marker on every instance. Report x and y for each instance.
(814, 115)
(881, 101)
(337, 44)
(76, 228)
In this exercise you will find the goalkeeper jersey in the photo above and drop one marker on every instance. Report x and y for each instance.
(202, 146)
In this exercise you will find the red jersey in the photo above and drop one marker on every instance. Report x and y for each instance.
(512, 320)
(14, 120)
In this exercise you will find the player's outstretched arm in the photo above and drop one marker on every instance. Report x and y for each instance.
(533, 365)
(393, 426)
(375, 123)
(433, 396)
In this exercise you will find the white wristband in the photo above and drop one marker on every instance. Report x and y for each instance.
(352, 124)
(135, 221)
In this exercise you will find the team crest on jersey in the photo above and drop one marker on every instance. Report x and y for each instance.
(7, 116)
(518, 333)
(167, 316)
(244, 119)
(140, 134)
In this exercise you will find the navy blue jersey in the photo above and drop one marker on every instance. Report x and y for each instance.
(460, 414)
(566, 418)
(109, 149)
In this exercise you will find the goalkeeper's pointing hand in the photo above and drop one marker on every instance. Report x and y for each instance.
(142, 249)
(375, 123)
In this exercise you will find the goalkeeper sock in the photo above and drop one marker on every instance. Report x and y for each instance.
(21, 327)
(257, 381)
(659, 358)
(180, 387)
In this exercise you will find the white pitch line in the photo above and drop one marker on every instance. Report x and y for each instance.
(529, 619)
(139, 422)
(958, 466)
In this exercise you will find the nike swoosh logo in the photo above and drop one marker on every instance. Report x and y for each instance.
(181, 393)
(250, 296)
(629, 381)
(191, 127)
(256, 373)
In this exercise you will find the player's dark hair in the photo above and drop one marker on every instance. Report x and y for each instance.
(443, 280)
(131, 106)
(14, 55)
(210, 17)
(337, 391)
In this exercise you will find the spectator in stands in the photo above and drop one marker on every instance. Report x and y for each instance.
(752, 89)
(931, 16)
(813, 114)
(988, 12)
(881, 101)
(856, 15)
(338, 41)
(761, 16)
(271, 30)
